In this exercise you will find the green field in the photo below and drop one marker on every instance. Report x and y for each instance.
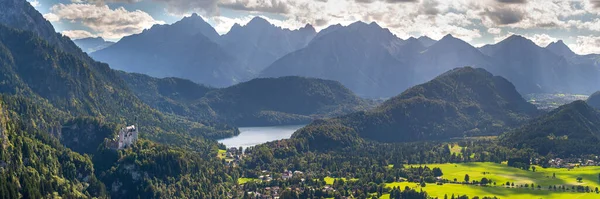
(330, 180)
(434, 190)
(457, 150)
(246, 180)
(222, 153)
(500, 173)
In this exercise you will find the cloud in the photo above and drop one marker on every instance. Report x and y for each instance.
(504, 16)
(269, 6)
(512, 1)
(595, 3)
(402, 1)
(494, 31)
(586, 45)
(541, 39)
(78, 34)
(108, 23)
(429, 7)
(34, 3)
(181, 7)
(104, 2)
(51, 17)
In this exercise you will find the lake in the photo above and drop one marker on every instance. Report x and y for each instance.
(251, 136)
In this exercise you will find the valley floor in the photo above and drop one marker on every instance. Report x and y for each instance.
(501, 174)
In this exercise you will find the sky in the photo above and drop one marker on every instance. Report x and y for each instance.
(479, 22)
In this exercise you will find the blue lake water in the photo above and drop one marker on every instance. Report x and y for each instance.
(251, 136)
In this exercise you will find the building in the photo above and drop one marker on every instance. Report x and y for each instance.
(127, 137)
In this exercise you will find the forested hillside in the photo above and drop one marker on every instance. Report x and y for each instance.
(35, 165)
(259, 102)
(32, 68)
(570, 130)
(463, 102)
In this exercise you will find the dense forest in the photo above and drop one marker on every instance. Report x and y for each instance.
(575, 124)
(463, 102)
(258, 102)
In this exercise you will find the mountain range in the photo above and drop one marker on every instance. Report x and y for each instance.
(463, 102)
(192, 49)
(92, 44)
(367, 58)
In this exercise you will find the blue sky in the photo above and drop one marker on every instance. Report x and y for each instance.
(478, 22)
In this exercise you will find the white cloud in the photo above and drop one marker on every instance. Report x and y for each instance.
(586, 45)
(51, 17)
(494, 31)
(78, 34)
(34, 3)
(541, 39)
(106, 22)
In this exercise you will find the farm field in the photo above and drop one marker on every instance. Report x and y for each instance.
(500, 173)
(439, 191)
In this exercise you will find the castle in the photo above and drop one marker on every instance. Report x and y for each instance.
(127, 137)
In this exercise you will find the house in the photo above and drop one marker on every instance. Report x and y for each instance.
(287, 175)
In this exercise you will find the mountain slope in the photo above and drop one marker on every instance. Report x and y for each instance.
(534, 69)
(21, 15)
(257, 44)
(446, 54)
(34, 165)
(594, 100)
(90, 45)
(560, 48)
(259, 102)
(186, 49)
(33, 68)
(360, 56)
(572, 129)
(461, 102)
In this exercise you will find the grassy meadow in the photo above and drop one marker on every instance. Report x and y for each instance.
(500, 173)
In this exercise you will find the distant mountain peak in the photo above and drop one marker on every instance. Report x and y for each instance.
(309, 28)
(560, 48)
(374, 24)
(259, 21)
(426, 41)
(448, 36)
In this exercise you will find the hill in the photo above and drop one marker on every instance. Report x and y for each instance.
(572, 129)
(461, 102)
(594, 100)
(258, 102)
(91, 44)
(284, 100)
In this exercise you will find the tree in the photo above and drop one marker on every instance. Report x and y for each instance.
(467, 178)
(437, 172)
(579, 179)
(484, 181)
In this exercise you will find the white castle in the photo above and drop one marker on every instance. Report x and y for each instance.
(127, 137)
